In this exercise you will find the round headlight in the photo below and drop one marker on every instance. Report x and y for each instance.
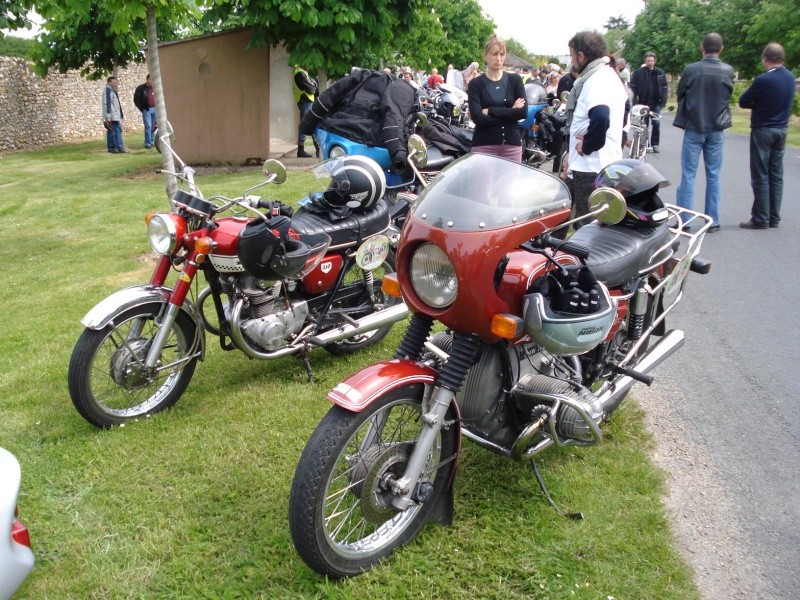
(433, 276)
(336, 152)
(165, 231)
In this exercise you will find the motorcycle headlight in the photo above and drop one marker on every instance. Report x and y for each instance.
(165, 231)
(433, 276)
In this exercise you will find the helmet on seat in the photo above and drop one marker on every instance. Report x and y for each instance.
(568, 311)
(272, 250)
(639, 183)
(357, 182)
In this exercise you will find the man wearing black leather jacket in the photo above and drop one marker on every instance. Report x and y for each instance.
(704, 112)
(649, 86)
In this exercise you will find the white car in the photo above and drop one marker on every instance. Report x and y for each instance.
(16, 558)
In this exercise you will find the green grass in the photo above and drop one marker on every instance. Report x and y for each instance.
(192, 503)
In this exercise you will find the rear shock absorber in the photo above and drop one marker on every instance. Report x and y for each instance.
(638, 308)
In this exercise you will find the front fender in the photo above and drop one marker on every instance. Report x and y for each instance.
(104, 311)
(365, 386)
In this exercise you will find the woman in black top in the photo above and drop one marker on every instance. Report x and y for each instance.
(496, 104)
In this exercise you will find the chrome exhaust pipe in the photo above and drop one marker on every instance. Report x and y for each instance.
(384, 317)
(611, 397)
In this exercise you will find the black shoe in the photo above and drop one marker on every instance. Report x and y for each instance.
(301, 153)
(316, 151)
(687, 228)
(752, 225)
(713, 229)
(774, 225)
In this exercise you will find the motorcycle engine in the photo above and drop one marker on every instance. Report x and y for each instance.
(267, 321)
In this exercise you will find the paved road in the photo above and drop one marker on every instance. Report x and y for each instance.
(726, 407)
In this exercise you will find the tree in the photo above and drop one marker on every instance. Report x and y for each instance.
(619, 22)
(777, 21)
(14, 14)
(16, 46)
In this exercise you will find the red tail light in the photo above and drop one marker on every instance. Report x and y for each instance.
(19, 533)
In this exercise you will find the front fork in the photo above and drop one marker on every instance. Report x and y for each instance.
(465, 348)
(176, 301)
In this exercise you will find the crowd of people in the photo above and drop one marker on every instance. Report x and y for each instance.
(602, 90)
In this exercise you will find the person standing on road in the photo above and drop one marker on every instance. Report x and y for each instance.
(305, 90)
(595, 111)
(112, 116)
(145, 101)
(496, 104)
(649, 86)
(770, 96)
(704, 112)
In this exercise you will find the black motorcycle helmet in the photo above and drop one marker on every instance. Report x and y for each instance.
(272, 250)
(639, 183)
(357, 182)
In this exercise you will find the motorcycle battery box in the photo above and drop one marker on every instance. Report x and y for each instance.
(324, 275)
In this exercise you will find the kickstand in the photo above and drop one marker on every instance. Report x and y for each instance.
(303, 358)
(563, 513)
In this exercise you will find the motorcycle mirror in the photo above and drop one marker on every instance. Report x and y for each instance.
(274, 170)
(422, 118)
(417, 151)
(608, 205)
(555, 104)
(564, 96)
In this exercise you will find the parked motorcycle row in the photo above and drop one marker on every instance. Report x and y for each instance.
(518, 340)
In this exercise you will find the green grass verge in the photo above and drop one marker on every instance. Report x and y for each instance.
(192, 503)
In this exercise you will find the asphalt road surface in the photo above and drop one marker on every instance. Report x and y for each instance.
(724, 409)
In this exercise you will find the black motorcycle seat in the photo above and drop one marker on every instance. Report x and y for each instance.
(618, 254)
(437, 160)
(344, 232)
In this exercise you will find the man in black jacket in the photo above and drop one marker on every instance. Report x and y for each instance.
(649, 86)
(704, 112)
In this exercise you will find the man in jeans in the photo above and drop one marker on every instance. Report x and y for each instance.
(770, 96)
(704, 112)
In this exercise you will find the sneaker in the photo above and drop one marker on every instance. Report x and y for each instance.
(713, 229)
(752, 225)
(656, 149)
(774, 225)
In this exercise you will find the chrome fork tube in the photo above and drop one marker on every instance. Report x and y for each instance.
(161, 336)
(432, 423)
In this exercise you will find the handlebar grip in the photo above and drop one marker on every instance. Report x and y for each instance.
(577, 250)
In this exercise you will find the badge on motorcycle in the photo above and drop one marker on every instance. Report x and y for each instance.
(373, 252)
(672, 286)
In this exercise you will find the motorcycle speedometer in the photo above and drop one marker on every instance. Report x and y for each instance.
(433, 276)
(165, 231)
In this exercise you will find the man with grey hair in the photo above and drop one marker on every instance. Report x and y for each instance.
(704, 112)
(770, 96)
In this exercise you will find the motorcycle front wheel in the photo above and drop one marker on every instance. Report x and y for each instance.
(108, 381)
(378, 300)
(340, 509)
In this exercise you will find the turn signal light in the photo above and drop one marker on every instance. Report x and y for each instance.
(204, 245)
(390, 286)
(507, 326)
(149, 216)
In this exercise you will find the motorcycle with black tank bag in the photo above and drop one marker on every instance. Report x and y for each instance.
(279, 283)
(542, 340)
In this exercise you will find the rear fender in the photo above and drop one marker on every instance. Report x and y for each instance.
(107, 309)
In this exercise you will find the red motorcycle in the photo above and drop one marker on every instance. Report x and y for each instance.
(543, 340)
(277, 286)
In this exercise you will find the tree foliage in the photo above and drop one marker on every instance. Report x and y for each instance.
(14, 14)
(96, 36)
(16, 46)
(619, 22)
(674, 30)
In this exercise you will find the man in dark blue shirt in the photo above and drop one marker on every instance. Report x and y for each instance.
(770, 96)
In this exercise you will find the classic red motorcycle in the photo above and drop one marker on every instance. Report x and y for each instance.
(543, 340)
(278, 286)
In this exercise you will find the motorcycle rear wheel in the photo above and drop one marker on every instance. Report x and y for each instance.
(107, 384)
(353, 276)
(340, 513)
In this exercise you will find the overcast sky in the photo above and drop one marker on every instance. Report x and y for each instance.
(546, 27)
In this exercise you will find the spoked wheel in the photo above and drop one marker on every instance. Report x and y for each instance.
(373, 299)
(108, 381)
(340, 510)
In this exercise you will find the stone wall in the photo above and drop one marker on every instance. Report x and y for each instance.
(37, 112)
